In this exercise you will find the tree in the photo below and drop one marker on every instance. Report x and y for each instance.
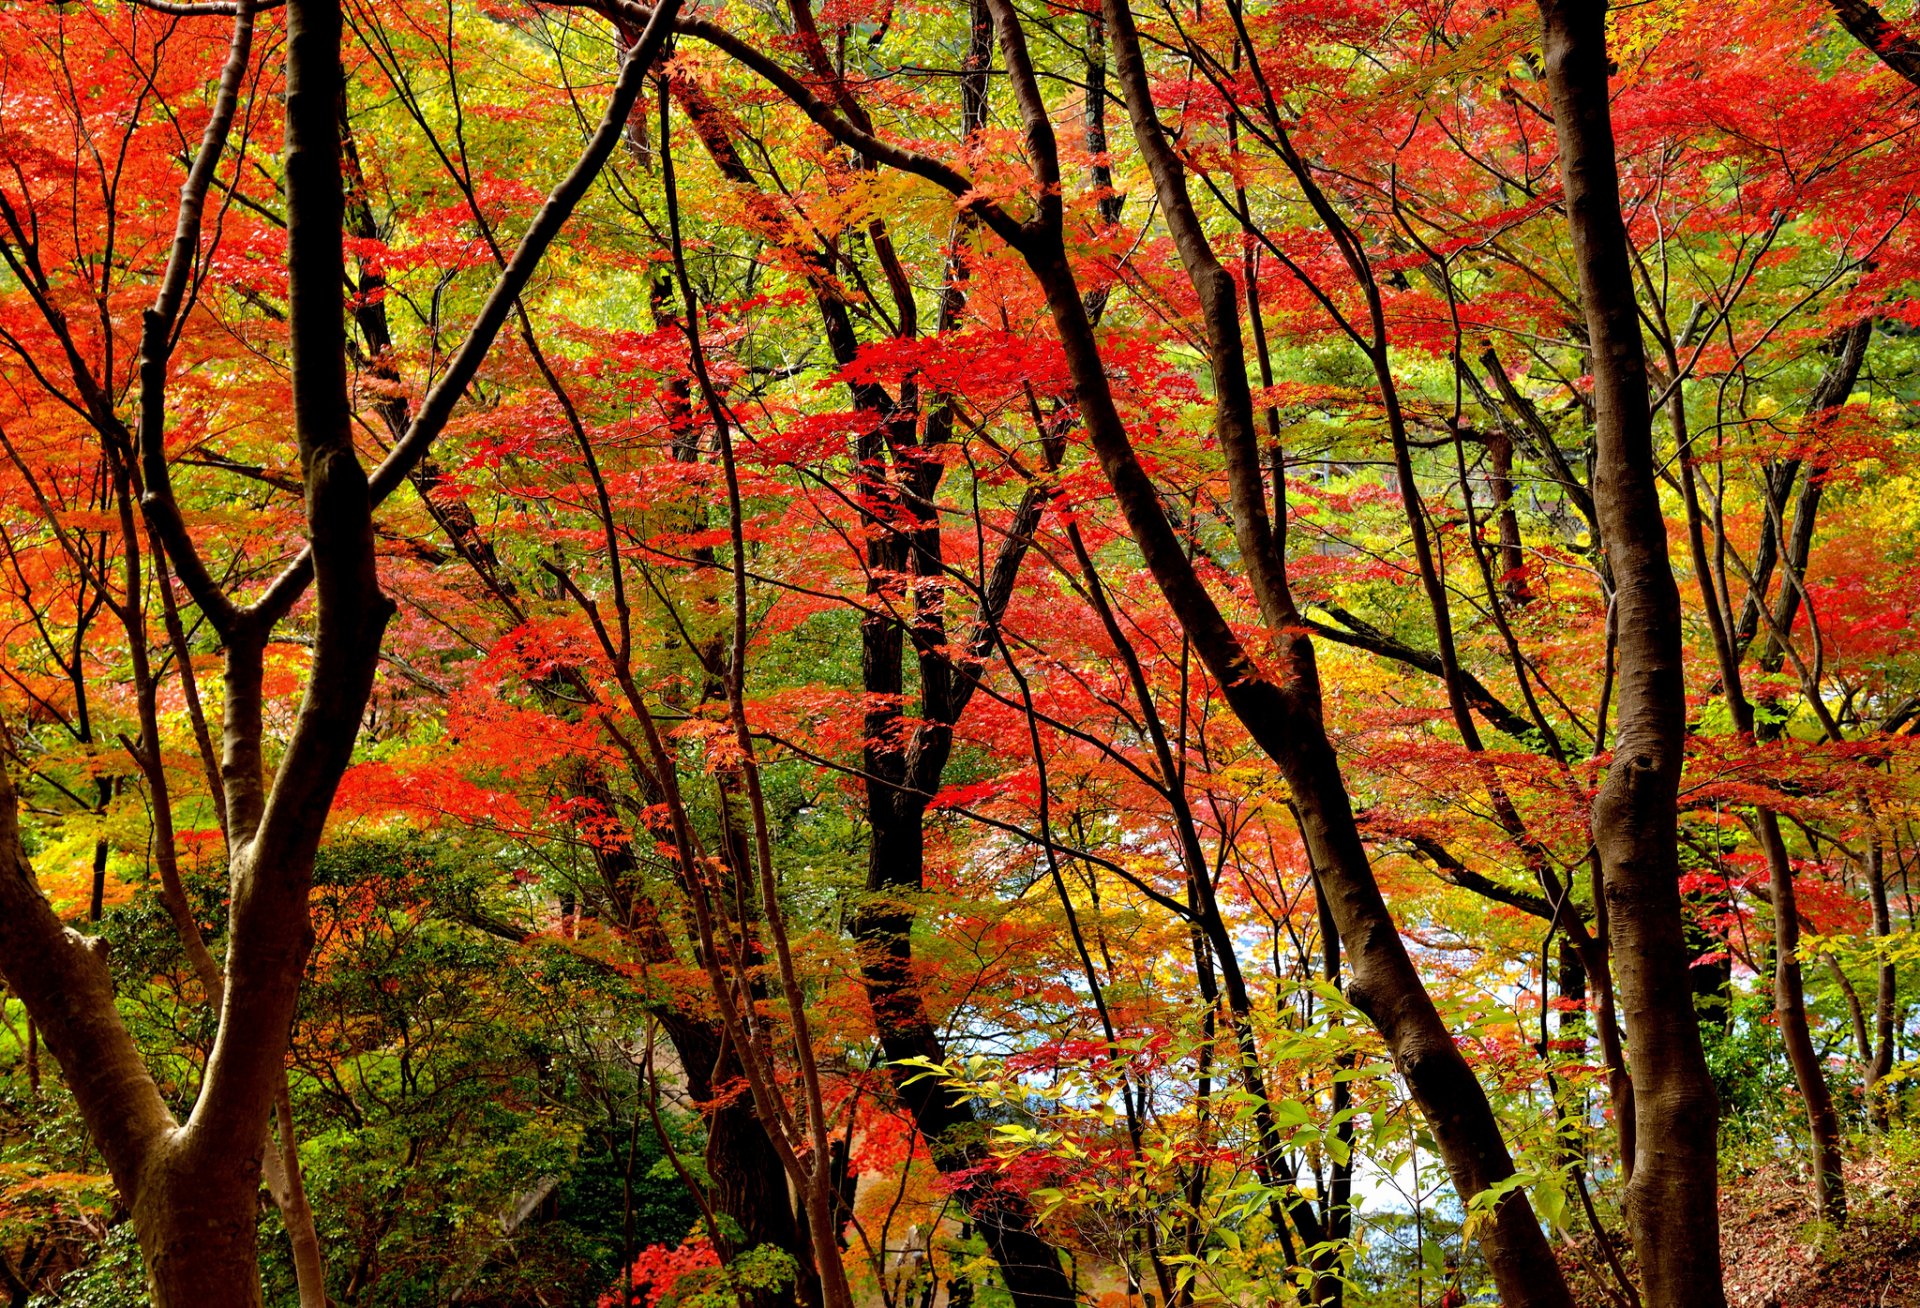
(1635, 812)
(975, 703)
(191, 1185)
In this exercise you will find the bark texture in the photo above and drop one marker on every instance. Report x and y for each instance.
(1870, 27)
(1672, 1199)
(193, 1187)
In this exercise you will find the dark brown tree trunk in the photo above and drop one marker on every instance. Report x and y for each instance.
(1729, 643)
(1287, 724)
(1790, 1010)
(193, 1187)
(1886, 989)
(1672, 1200)
(1513, 564)
(748, 1179)
(1870, 27)
(898, 476)
(956, 1140)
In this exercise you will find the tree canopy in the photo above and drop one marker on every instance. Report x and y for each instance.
(769, 654)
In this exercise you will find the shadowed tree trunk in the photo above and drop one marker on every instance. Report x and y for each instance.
(1790, 1012)
(899, 471)
(749, 1184)
(1870, 27)
(1672, 1199)
(1886, 983)
(193, 1186)
(1730, 643)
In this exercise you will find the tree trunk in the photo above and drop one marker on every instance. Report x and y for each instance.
(1790, 1009)
(1281, 711)
(1287, 725)
(1672, 1200)
(1729, 643)
(956, 1140)
(194, 1200)
(1891, 44)
(289, 1190)
(749, 1182)
(903, 768)
(1513, 563)
(196, 1213)
(1886, 991)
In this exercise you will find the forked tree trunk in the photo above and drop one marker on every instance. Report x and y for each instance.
(193, 1190)
(193, 1187)
(196, 1218)
(1672, 1200)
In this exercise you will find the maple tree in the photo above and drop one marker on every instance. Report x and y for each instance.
(894, 653)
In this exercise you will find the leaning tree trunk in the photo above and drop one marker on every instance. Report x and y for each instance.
(1891, 44)
(1790, 1012)
(1672, 1200)
(1282, 710)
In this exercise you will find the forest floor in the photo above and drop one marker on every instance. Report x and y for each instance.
(1777, 1256)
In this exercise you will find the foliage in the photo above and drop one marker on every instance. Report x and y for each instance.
(783, 741)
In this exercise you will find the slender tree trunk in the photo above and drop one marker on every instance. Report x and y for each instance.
(1790, 1010)
(1513, 563)
(1672, 1200)
(1336, 1219)
(956, 1139)
(1789, 990)
(904, 767)
(288, 1186)
(96, 898)
(1886, 991)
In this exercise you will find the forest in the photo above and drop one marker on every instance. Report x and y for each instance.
(988, 654)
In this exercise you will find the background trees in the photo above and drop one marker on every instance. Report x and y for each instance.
(1049, 651)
